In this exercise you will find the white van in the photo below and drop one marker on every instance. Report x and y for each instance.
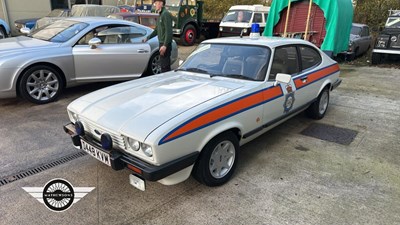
(240, 18)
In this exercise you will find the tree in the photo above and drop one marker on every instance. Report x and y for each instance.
(374, 12)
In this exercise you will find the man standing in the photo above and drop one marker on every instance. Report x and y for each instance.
(164, 31)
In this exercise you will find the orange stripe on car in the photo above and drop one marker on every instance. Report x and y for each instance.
(312, 77)
(224, 111)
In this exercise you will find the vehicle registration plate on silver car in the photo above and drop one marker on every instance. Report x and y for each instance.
(96, 153)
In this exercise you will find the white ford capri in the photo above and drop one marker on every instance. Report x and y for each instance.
(194, 119)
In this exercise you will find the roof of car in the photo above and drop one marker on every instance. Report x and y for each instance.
(266, 41)
(127, 14)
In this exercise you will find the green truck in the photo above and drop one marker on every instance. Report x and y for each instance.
(188, 21)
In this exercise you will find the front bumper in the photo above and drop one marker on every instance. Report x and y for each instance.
(386, 51)
(121, 160)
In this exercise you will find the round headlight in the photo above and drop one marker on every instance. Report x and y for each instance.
(133, 144)
(147, 150)
(393, 39)
(221, 28)
(245, 30)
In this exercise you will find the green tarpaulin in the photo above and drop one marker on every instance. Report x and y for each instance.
(338, 15)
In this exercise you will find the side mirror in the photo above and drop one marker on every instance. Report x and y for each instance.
(282, 78)
(94, 43)
(180, 62)
(25, 30)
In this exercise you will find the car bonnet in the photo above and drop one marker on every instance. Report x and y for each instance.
(138, 107)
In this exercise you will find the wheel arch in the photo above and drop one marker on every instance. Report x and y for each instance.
(230, 127)
(58, 69)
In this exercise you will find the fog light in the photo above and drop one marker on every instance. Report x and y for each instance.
(106, 141)
(80, 130)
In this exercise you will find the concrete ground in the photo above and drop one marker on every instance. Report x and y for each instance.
(284, 177)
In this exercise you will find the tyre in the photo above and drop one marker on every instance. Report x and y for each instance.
(217, 160)
(41, 84)
(154, 66)
(318, 108)
(3, 33)
(376, 58)
(189, 35)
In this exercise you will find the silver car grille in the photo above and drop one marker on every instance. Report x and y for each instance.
(95, 131)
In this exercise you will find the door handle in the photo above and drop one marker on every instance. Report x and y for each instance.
(142, 51)
(304, 79)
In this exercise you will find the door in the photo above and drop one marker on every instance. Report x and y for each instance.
(281, 99)
(121, 55)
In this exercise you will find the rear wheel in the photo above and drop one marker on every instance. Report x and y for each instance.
(217, 161)
(154, 66)
(189, 35)
(3, 33)
(41, 84)
(318, 108)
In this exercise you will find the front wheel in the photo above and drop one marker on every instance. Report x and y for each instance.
(376, 58)
(41, 84)
(218, 160)
(189, 35)
(318, 108)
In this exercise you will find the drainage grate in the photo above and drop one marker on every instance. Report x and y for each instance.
(29, 172)
(330, 133)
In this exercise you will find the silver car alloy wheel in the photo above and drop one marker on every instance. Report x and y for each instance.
(222, 159)
(42, 84)
(155, 65)
(323, 103)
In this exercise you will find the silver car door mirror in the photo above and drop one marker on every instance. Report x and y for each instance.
(282, 78)
(25, 30)
(94, 43)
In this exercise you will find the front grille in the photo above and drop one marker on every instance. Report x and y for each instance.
(91, 128)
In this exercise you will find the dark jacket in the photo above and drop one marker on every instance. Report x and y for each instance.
(163, 28)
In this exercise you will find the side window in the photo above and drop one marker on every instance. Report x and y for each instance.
(91, 34)
(121, 35)
(257, 18)
(284, 61)
(148, 21)
(309, 57)
(132, 19)
(265, 17)
(365, 32)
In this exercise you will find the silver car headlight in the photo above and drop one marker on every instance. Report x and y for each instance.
(133, 144)
(221, 28)
(147, 150)
(393, 39)
(73, 117)
(245, 30)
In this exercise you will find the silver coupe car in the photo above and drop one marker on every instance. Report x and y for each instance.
(73, 51)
